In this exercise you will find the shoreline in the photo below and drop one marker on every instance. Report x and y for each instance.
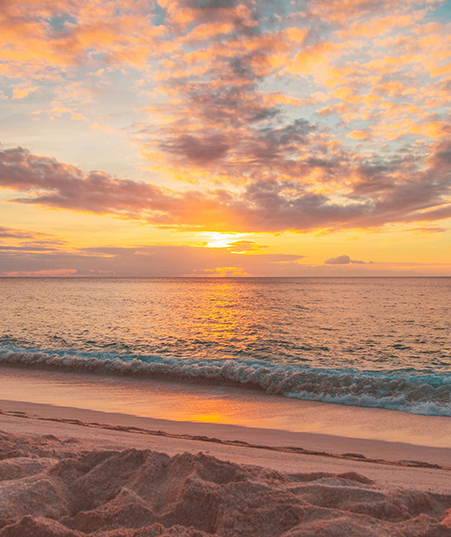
(106, 424)
(184, 402)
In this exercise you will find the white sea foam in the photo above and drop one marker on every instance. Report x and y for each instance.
(410, 391)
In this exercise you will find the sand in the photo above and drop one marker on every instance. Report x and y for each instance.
(72, 472)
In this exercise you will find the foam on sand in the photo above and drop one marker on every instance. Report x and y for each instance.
(55, 488)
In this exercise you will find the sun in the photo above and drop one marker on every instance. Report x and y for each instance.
(222, 240)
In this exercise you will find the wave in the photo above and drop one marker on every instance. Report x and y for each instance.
(417, 392)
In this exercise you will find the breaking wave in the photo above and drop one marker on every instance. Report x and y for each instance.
(418, 392)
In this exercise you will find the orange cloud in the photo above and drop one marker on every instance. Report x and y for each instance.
(380, 193)
(360, 135)
(259, 109)
(23, 91)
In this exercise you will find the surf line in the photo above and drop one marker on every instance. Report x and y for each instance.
(358, 457)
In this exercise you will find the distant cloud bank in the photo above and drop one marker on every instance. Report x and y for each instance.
(345, 260)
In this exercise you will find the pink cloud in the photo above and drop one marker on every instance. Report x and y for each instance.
(398, 190)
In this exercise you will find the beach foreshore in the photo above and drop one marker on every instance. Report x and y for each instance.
(72, 472)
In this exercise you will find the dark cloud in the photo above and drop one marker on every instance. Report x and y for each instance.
(51, 183)
(243, 14)
(200, 150)
(229, 123)
(430, 216)
(344, 260)
(374, 177)
(264, 204)
(222, 120)
(233, 106)
(237, 128)
(442, 157)
(271, 143)
(213, 4)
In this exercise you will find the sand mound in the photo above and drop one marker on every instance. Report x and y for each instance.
(50, 488)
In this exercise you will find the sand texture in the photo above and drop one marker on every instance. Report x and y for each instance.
(51, 487)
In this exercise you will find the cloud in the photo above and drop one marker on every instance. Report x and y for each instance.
(11, 233)
(219, 114)
(63, 34)
(198, 149)
(428, 230)
(383, 192)
(245, 246)
(262, 206)
(260, 116)
(174, 261)
(22, 92)
(18, 240)
(146, 261)
(345, 260)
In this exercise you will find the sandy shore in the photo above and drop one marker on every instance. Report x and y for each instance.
(192, 402)
(72, 472)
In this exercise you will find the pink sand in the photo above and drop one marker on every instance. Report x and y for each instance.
(71, 472)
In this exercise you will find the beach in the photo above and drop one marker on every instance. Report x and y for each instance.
(168, 407)
(225, 268)
(73, 472)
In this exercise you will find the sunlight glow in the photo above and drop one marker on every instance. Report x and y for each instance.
(222, 240)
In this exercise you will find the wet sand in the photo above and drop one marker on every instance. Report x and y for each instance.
(188, 402)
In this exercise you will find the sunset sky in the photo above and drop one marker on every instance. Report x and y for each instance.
(225, 138)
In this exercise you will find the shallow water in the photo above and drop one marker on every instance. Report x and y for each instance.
(381, 342)
(184, 402)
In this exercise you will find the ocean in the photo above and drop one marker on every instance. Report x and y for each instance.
(367, 342)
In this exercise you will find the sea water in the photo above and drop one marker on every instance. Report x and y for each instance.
(369, 342)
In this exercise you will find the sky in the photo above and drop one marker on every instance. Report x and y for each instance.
(225, 138)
